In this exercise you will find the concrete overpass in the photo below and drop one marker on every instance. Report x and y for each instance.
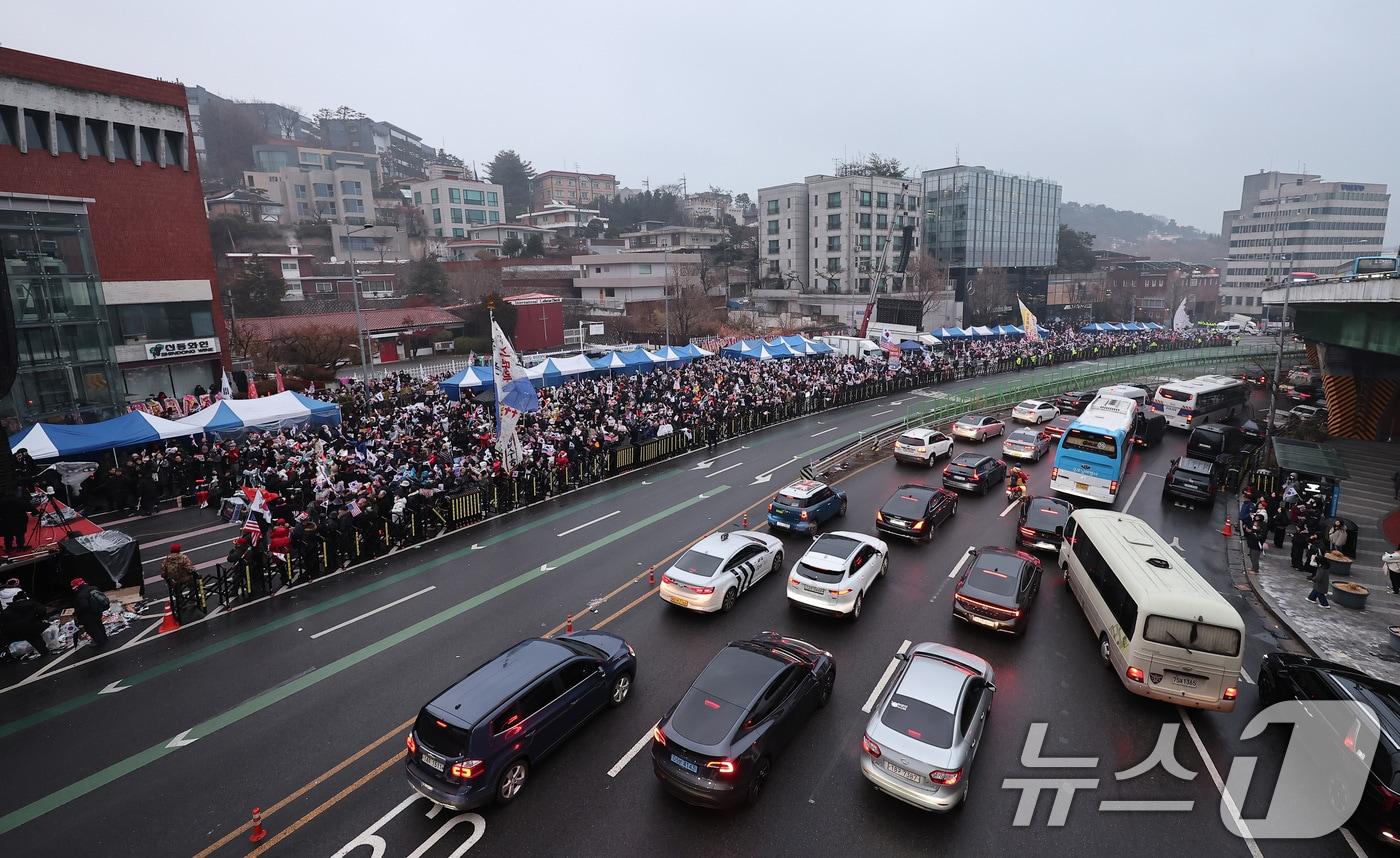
(1352, 331)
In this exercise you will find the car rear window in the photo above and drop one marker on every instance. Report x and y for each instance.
(1031, 404)
(912, 440)
(1046, 517)
(919, 720)
(967, 460)
(1205, 442)
(1194, 466)
(786, 499)
(836, 546)
(1191, 635)
(995, 573)
(1024, 436)
(1174, 395)
(812, 573)
(909, 504)
(704, 718)
(440, 736)
(975, 420)
(962, 470)
(699, 563)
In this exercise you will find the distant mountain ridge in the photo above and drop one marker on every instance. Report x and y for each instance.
(1143, 235)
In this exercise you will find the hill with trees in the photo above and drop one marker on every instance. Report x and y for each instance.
(1143, 235)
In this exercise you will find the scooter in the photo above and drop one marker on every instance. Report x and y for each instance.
(1016, 492)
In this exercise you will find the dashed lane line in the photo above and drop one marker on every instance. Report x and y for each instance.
(884, 678)
(1225, 796)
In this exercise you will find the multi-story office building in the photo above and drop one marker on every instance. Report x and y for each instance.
(1290, 222)
(561, 186)
(402, 153)
(452, 206)
(104, 241)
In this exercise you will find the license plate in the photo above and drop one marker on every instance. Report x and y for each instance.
(1186, 680)
(983, 621)
(432, 761)
(1083, 487)
(815, 590)
(778, 522)
(685, 764)
(677, 600)
(898, 771)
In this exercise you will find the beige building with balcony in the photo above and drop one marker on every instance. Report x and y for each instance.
(614, 280)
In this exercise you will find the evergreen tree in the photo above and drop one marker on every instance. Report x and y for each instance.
(514, 175)
(257, 291)
(426, 278)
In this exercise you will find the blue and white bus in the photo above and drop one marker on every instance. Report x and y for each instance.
(1093, 453)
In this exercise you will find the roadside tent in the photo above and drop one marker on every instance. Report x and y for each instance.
(279, 411)
(554, 371)
(695, 351)
(1009, 330)
(669, 354)
(981, 331)
(1133, 326)
(51, 440)
(911, 346)
(1095, 328)
(930, 340)
(817, 347)
(949, 333)
(471, 379)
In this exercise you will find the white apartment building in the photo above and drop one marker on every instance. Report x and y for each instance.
(452, 206)
(614, 280)
(834, 234)
(343, 194)
(1290, 222)
(654, 235)
(558, 216)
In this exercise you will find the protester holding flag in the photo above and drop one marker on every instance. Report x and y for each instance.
(515, 395)
(1029, 322)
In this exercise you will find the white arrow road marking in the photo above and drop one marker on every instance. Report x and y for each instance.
(373, 612)
(594, 521)
(477, 546)
(1175, 543)
(884, 678)
(627, 757)
(710, 461)
(722, 470)
(114, 687)
(824, 431)
(886, 411)
(1244, 674)
(768, 474)
(645, 483)
(180, 741)
(898, 402)
(961, 560)
(545, 567)
(1132, 497)
(1009, 508)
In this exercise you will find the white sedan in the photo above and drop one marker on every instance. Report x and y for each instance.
(1034, 411)
(713, 572)
(922, 446)
(978, 428)
(835, 574)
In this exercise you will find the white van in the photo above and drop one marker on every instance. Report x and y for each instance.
(854, 347)
(1162, 629)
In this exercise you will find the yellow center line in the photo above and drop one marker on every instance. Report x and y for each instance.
(327, 805)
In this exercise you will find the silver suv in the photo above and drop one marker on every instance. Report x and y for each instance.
(924, 733)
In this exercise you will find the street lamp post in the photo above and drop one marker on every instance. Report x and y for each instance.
(361, 339)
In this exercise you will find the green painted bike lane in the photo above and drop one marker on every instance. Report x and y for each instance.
(197, 655)
(99, 779)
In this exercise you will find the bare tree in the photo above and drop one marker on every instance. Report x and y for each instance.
(287, 120)
(928, 284)
(313, 345)
(687, 300)
(988, 296)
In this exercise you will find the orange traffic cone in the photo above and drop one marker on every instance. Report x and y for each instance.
(168, 623)
(569, 624)
(651, 576)
(1227, 530)
(258, 833)
(745, 524)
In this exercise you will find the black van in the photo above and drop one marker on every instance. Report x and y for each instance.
(1148, 429)
(477, 741)
(1215, 442)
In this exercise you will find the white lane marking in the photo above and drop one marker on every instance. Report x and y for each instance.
(193, 533)
(1225, 796)
(1244, 674)
(957, 567)
(378, 844)
(884, 678)
(196, 548)
(824, 431)
(1351, 841)
(180, 741)
(1009, 508)
(139, 636)
(373, 612)
(886, 411)
(52, 664)
(594, 521)
(722, 470)
(627, 757)
(1132, 497)
(1176, 543)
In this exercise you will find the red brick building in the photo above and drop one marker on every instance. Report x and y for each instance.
(104, 239)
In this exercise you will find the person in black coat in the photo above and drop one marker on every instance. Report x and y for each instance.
(86, 612)
(14, 519)
(23, 620)
(1298, 545)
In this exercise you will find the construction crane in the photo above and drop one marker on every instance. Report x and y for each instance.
(884, 262)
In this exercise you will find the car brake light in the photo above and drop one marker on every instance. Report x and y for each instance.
(770, 507)
(945, 778)
(467, 769)
(1026, 531)
(657, 735)
(1190, 417)
(724, 767)
(975, 477)
(793, 580)
(1135, 674)
(1231, 693)
(1113, 487)
(703, 591)
(412, 745)
(667, 579)
(947, 472)
(879, 516)
(919, 525)
(1054, 473)
(869, 747)
(844, 591)
(803, 516)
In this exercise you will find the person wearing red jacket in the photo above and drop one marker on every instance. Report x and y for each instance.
(279, 539)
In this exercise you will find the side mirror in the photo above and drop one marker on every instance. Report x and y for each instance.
(901, 656)
(1059, 530)
(991, 686)
(1174, 461)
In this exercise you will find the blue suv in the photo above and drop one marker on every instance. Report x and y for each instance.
(804, 505)
(477, 741)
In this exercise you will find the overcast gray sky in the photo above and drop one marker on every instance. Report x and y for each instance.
(1156, 107)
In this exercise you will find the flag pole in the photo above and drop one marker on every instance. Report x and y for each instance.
(495, 378)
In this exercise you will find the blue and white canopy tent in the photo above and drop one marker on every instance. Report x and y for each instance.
(693, 351)
(557, 370)
(52, 440)
(233, 417)
(911, 346)
(758, 350)
(669, 355)
(473, 379)
(950, 333)
(981, 331)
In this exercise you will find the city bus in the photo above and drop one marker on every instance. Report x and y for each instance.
(1203, 399)
(1366, 266)
(1093, 453)
(1162, 629)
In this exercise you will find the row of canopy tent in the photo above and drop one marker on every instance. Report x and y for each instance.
(229, 417)
(555, 370)
(1107, 327)
(777, 347)
(987, 331)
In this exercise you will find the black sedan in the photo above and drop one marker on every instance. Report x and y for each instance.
(1074, 400)
(1287, 676)
(1041, 526)
(716, 746)
(997, 589)
(915, 510)
(974, 472)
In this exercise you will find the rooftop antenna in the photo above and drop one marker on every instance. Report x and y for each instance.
(957, 155)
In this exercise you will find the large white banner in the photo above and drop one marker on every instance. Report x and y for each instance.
(515, 395)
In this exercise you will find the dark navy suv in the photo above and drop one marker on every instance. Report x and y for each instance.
(477, 741)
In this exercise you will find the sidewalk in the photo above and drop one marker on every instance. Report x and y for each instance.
(1356, 638)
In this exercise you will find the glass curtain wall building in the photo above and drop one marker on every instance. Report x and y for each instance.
(979, 218)
(67, 364)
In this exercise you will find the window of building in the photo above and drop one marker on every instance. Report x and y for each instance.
(882, 221)
(882, 200)
(123, 141)
(833, 242)
(432, 195)
(354, 206)
(437, 215)
(772, 227)
(457, 232)
(324, 287)
(325, 207)
(323, 189)
(96, 132)
(644, 268)
(150, 145)
(36, 129)
(863, 220)
(290, 269)
(833, 200)
(773, 246)
(492, 198)
(454, 195)
(350, 188)
(833, 221)
(772, 207)
(9, 125)
(418, 198)
(865, 199)
(609, 293)
(66, 129)
(476, 215)
(303, 209)
(833, 263)
(863, 242)
(494, 216)
(456, 215)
